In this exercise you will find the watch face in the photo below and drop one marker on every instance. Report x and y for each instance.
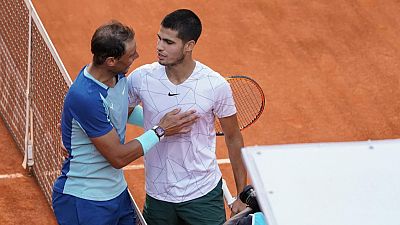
(160, 131)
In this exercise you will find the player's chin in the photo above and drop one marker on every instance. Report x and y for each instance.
(162, 62)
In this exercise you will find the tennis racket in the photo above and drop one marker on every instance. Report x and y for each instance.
(249, 99)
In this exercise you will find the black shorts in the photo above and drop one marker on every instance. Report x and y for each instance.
(206, 210)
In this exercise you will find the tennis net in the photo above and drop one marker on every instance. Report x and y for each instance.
(33, 83)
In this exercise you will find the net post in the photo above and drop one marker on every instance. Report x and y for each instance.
(28, 147)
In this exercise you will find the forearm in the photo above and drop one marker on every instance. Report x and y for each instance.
(234, 145)
(120, 155)
(126, 154)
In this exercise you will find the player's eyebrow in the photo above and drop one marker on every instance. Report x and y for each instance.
(165, 39)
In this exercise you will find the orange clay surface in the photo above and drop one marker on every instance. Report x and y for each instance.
(329, 70)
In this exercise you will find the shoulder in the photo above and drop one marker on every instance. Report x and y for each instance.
(84, 93)
(148, 69)
(207, 74)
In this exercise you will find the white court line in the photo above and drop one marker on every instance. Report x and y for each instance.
(11, 176)
(141, 166)
(223, 161)
(134, 167)
(130, 167)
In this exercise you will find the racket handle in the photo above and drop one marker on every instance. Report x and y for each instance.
(227, 194)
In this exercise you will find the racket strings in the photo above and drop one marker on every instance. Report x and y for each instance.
(240, 102)
(249, 101)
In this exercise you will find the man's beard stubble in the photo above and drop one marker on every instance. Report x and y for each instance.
(178, 61)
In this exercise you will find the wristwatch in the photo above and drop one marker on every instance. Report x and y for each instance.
(160, 132)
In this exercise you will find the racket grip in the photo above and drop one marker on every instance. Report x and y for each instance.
(227, 194)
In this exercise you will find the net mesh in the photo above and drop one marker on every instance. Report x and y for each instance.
(49, 83)
(48, 91)
(14, 27)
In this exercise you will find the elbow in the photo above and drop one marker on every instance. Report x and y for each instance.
(117, 164)
(234, 142)
(234, 137)
(232, 132)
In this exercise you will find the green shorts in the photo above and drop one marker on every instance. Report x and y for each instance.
(206, 210)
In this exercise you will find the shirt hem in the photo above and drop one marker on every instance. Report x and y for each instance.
(92, 198)
(188, 199)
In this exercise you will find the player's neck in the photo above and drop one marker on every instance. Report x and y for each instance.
(103, 75)
(178, 73)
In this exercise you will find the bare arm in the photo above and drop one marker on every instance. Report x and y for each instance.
(234, 143)
(117, 154)
(120, 155)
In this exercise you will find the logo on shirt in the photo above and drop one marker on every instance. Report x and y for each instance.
(172, 94)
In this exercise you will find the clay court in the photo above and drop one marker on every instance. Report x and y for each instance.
(329, 70)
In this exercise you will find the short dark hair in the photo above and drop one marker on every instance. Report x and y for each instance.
(186, 22)
(109, 41)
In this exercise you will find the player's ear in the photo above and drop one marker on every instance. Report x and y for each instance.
(110, 61)
(190, 45)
